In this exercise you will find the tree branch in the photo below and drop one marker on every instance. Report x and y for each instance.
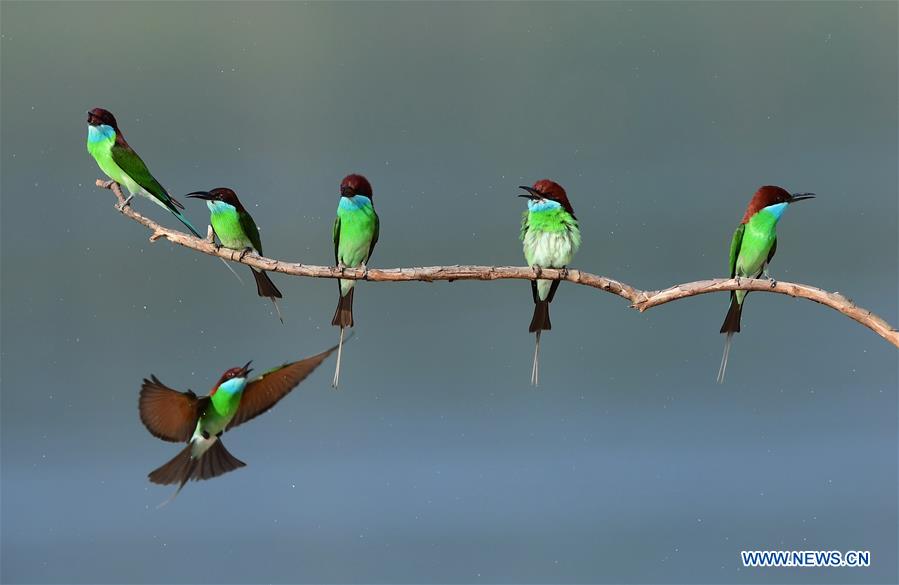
(640, 299)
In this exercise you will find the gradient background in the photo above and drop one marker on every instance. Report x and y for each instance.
(436, 462)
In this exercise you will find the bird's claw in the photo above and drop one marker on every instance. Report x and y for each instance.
(126, 203)
(243, 253)
(537, 271)
(563, 273)
(772, 281)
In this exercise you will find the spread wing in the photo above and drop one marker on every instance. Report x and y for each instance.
(735, 249)
(336, 238)
(374, 238)
(128, 161)
(252, 232)
(265, 391)
(168, 414)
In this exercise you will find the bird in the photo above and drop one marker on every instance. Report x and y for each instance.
(356, 232)
(236, 230)
(200, 421)
(751, 249)
(551, 237)
(116, 158)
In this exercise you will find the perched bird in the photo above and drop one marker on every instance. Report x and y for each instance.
(200, 420)
(551, 237)
(117, 159)
(751, 250)
(236, 230)
(356, 232)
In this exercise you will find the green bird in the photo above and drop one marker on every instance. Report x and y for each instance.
(117, 159)
(751, 250)
(236, 230)
(356, 231)
(550, 236)
(200, 421)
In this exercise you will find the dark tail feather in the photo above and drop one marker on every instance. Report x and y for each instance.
(732, 320)
(730, 326)
(186, 223)
(540, 320)
(343, 316)
(182, 467)
(264, 285)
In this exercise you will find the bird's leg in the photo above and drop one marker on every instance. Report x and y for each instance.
(125, 203)
(537, 270)
(768, 276)
(364, 272)
(243, 253)
(563, 273)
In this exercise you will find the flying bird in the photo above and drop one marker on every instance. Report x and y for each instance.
(236, 230)
(117, 159)
(551, 237)
(751, 250)
(200, 421)
(356, 231)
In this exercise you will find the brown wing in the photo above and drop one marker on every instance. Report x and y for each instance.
(265, 391)
(168, 414)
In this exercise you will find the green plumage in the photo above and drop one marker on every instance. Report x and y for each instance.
(355, 233)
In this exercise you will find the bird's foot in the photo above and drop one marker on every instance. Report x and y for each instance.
(243, 253)
(125, 203)
(537, 271)
(563, 273)
(772, 281)
(364, 272)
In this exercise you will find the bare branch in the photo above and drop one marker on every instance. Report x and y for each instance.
(640, 299)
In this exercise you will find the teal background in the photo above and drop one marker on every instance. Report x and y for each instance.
(436, 461)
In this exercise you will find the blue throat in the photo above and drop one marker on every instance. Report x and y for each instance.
(354, 203)
(220, 207)
(232, 386)
(776, 210)
(100, 133)
(543, 205)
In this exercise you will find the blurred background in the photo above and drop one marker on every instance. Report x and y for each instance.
(436, 461)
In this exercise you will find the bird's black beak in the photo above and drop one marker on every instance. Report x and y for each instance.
(531, 193)
(89, 117)
(801, 197)
(346, 192)
(247, 369)
(205, 195)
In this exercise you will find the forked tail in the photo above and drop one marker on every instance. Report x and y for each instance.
(183, 467)
(540, 320)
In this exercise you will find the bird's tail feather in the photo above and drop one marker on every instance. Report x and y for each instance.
(343, 316)
(732, 320)
(336, 380)
(540, 320)
(183, 467)
(535, 369)
(185, 221)
(723, 367)
(264, 285)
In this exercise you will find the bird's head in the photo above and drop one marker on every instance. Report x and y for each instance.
(773, 197)
(233, 379)
(99, 116)
(354, 184)
(223, 194)
(545, 190)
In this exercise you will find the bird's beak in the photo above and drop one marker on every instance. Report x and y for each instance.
(205, 195)
(89, 116)
(346, 192)
(531, 193)
(247, 369)
(801, 197)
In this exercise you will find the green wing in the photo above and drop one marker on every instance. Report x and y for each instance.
(374, 238)
(250, 230)
(336, 237)
(735, 249)
(124, 156)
